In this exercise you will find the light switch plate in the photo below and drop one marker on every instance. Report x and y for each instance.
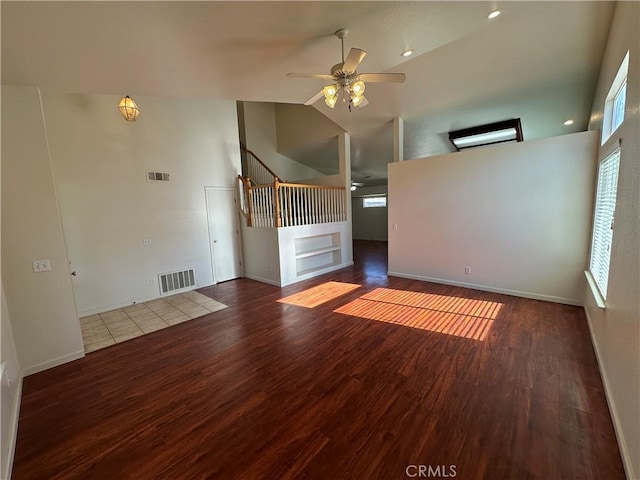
(41, 266)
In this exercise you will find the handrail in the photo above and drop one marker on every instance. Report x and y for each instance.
(259, 175)
(271, 203)
(302, 185)
(291, 204)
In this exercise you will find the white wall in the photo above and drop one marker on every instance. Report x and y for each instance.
(517, 214)
(260, 134)
(108, 206)
(41, 305)
(369, 223)
(261, 254)
(11, 379)
(616, 329)
(301, 125)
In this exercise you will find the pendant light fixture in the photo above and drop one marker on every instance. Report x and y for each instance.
(128, 109)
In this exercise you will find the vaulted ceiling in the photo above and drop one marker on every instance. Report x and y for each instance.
(538, 61)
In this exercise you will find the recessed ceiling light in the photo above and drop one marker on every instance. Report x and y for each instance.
(494, 14)
(407, 53)
(569, 122)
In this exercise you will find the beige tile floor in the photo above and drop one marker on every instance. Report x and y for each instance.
(115, 326)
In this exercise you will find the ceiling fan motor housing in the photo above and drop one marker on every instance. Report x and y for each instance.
(343, 78)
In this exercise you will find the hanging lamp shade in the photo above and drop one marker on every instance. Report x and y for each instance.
(356, 99)
(330, 91)
(331, 101)
(357, 88)
(128, 109)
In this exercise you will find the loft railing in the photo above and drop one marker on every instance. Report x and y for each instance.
(268, 202)
(291, 204)
(309, 204)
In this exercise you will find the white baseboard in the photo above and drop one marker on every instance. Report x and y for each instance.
(263, 280)
(52, 363)
(484, 288)
(316, 274)
(13, 434)
(617, 425)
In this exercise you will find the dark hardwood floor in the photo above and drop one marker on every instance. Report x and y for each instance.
(270, 390)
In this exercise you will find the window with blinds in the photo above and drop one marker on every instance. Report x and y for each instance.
(603, 220)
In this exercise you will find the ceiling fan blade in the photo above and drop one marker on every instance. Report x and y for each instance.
(310, 75)
(315, 98)
(353, 60)
(364, 102)
(383, 77)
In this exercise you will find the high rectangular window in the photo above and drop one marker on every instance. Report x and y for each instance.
(619, 100)
(374, 202)
(615, 102)
(603, 221)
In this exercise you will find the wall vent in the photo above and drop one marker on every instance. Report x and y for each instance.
(157, 176)
(175, 281)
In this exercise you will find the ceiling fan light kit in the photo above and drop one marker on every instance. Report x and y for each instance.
(346, 79)
(354, 91)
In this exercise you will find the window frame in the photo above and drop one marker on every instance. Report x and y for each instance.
(374, 197)
(619, 83)
(603, 225)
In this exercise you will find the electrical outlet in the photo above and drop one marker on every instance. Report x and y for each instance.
(467, 270)
(41, 266)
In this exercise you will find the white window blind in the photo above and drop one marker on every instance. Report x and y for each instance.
(603, 220)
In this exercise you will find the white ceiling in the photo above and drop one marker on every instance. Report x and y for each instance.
(538, 61)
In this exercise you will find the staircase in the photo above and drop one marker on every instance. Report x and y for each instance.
(269, 202)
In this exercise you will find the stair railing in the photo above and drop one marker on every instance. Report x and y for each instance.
(257, 170)
(269, 202)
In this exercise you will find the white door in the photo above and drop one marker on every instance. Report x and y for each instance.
(224, 234)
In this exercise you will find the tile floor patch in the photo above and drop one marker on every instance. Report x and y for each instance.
(122, 324)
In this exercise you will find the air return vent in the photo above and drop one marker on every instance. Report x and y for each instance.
(175, 281)
(157, 176)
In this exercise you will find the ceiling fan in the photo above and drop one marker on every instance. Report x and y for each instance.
(346, 79)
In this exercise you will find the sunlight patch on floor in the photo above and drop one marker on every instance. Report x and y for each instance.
(459, 316)
(319, 294)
